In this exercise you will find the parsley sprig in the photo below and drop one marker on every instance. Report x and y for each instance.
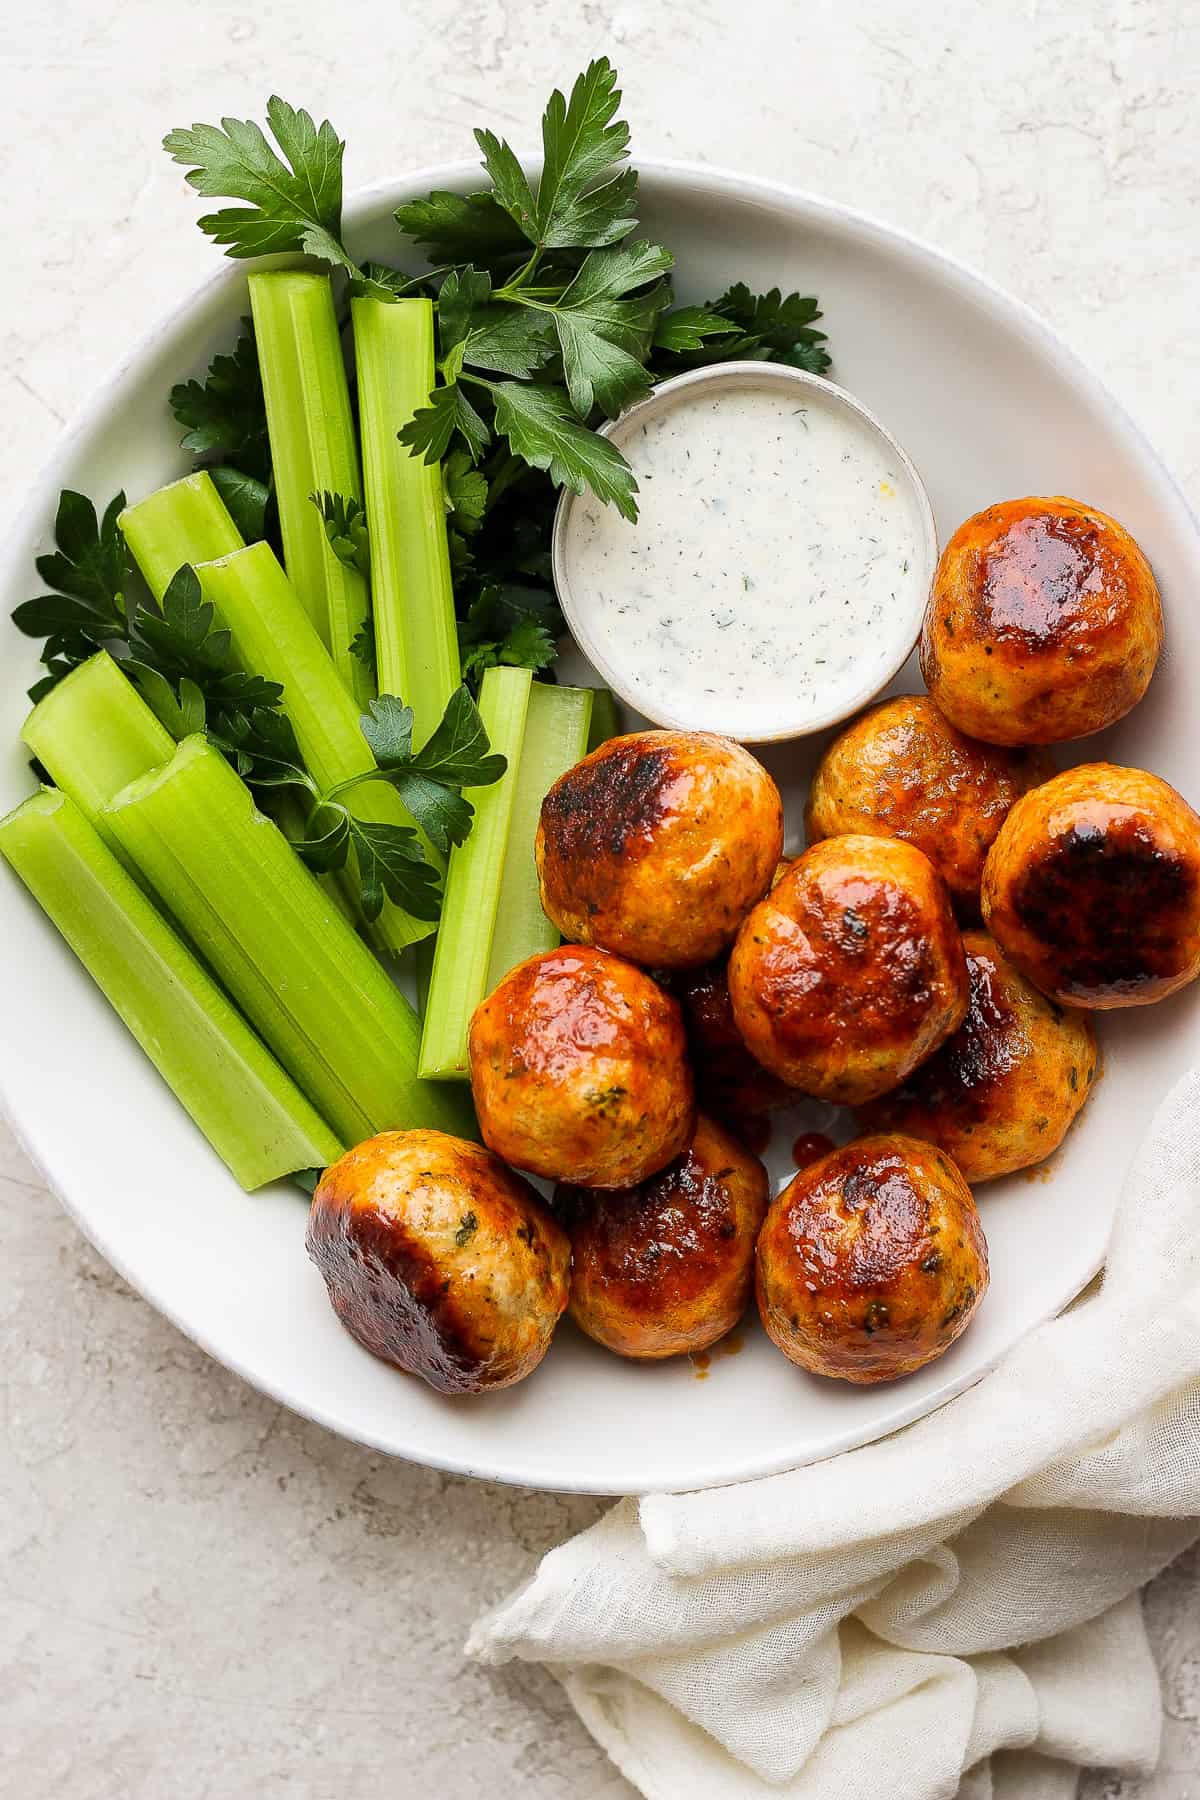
(390, 860)
(175, 652)
(225, 420)
(553, 313)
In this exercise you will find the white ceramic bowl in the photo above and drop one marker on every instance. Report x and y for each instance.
(990, 404)
(840, 700)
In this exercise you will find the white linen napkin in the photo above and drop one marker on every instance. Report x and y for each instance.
(952, 1611)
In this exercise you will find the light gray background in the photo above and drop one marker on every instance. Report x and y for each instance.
(204, 1598)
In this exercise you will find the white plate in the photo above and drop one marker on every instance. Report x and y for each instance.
(990, 405)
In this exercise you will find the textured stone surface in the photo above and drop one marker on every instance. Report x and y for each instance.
(204, 1598)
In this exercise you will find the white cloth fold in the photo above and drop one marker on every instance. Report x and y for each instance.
(952, 1611)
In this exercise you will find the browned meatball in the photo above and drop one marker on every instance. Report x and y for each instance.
(851, 971)
(872, 1261)
(578, 1070)
(729, 1082)
(667, 1266)
(657, 845)
(439, 1259)
(1044, 623)
(1093, 887)
(1001, 1093)
(902, 770)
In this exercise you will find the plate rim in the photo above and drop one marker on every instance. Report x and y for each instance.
(29, 519)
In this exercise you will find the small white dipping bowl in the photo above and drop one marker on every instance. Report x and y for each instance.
(831, 584)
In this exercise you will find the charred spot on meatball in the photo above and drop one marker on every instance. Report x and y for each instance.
(666, 1267)
(618, 794)
(1093, 887)
(1111, 904)
(657, 844)
(439, 1260)
(872, 1261)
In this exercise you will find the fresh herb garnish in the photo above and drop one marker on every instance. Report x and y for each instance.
(551, 315)
(89, 573)
(246, 499)
(225, 415)
(290, 205)
(346, 528)
(509, 623)
(390, 859)
(741, 326)
(175, 653)
(179, 648)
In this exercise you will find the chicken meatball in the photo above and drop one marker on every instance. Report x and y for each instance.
(729, 1082)
(1092, 887)
(1001, 1093)
(579, 1072)
(667, 1266)
(872, 1261)
(851, 971)
(1044, 623)
(902, 770)
(657, 845)
(439, 1259)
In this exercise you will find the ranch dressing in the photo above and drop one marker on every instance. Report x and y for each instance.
(774, 579)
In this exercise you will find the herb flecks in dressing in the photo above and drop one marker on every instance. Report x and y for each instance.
(771, 567)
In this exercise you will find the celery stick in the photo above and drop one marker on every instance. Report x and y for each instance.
(313, 451)
(556, 736)
(94, 733)
(423, 955)
(303, 978)
(289, 812)
(252, 1114)
(274, 637)
(186, 522)
(416, 640)
(605, 723)
(464, 941)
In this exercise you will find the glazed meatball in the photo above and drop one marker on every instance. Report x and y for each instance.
(1000, 1094)
(729, 1082)
(579, 1072)
(902, 770)
(657, 845)
(667, 1266)
(851, 971)
(439, 1259)
(1044, 623)
(872, 1261)
(1092, 887)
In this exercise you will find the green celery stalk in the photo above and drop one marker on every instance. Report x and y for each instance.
(274, 637)
(289, 959)
(605, 723)
(423, 956)
(556, 737)
(284, 805)
(416, 640)
(185, 522)
(252, 1114)
(94, 734)
(313, 450)
(464, 941)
